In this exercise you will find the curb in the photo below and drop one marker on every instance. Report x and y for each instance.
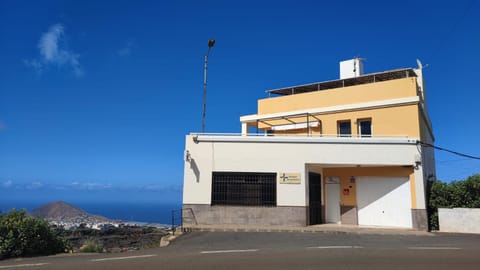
(165, 241)
(311, 230)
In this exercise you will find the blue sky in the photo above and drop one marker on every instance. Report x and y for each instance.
(96, 97)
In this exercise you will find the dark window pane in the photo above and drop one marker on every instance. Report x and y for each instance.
(344, 129)
(366, 128)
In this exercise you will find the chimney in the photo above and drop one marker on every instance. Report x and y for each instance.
(351, 68)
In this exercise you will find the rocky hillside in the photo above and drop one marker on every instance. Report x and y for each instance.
(62, 213)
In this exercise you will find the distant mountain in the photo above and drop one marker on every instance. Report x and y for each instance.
(62, 213)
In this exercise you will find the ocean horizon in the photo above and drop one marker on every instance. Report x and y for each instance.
(157, 212)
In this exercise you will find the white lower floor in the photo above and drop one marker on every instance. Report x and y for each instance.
(360, 182)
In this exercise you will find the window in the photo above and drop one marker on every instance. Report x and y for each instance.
(344, 129)
(365, 128)
(244, 188)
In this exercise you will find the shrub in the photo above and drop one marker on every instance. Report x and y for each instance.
(461, 194)
(21, 235)
(91, 246)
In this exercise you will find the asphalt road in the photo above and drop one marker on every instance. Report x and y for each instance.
(275, 250)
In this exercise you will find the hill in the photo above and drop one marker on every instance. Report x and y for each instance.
(114, 237)
(64, 214)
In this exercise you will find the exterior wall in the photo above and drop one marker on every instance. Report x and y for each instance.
(392, 89)
(349, 215)
(391, 121)
(349, 209)
(276, 156)
(461, 220)
(262, 216)
(420, 219)
(428, 153)
(314, 131)
(346, 173)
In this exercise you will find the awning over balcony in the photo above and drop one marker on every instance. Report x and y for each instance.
(308, 116)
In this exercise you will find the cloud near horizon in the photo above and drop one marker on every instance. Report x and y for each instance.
(53, 52)
(89, 186)
(7, 183)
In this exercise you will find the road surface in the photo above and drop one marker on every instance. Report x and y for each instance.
(280, 250)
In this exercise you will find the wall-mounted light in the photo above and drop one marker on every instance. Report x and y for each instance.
(352, 179)
(418, 161)
(188, 157)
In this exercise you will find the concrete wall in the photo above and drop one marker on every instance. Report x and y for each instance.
(461, 220)
(420, 219)
(261, 216)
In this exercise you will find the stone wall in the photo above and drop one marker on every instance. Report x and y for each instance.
(243, 215)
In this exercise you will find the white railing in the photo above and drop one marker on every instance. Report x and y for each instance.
(303, 135)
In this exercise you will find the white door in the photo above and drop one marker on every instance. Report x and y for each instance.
(332, 214)
(384, 201)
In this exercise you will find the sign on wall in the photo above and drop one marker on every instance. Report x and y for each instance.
(332, 180)
(289, 178)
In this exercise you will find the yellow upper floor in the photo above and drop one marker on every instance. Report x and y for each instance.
(387, 108)
(394, 89)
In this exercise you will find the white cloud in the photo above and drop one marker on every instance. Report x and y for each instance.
(48, 44)
(161, 188)
(53, 52)
(7, 183)
(90, 186)
(34, 185)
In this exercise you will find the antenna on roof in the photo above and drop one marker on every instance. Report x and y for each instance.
(419, 64)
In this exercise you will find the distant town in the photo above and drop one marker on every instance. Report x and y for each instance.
(70, 217)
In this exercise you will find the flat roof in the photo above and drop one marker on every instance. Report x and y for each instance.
(364, 79)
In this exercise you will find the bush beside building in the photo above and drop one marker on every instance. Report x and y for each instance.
(21, 235)
(456, 194)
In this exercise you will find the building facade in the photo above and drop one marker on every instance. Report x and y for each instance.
(345, 151)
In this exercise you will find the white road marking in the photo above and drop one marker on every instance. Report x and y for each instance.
(22, 265)
(228, 251)
(434, 248)
(333, 247)
(123, 258)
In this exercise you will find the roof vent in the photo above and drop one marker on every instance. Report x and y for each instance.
(351, 68)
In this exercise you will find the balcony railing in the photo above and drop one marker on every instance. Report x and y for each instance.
(302, 135)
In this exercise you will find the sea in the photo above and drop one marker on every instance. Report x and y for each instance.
(141, 212)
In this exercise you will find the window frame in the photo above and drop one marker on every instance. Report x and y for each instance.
(359, 127)
(339, 133)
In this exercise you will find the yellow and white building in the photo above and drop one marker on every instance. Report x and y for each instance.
(344, 151)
